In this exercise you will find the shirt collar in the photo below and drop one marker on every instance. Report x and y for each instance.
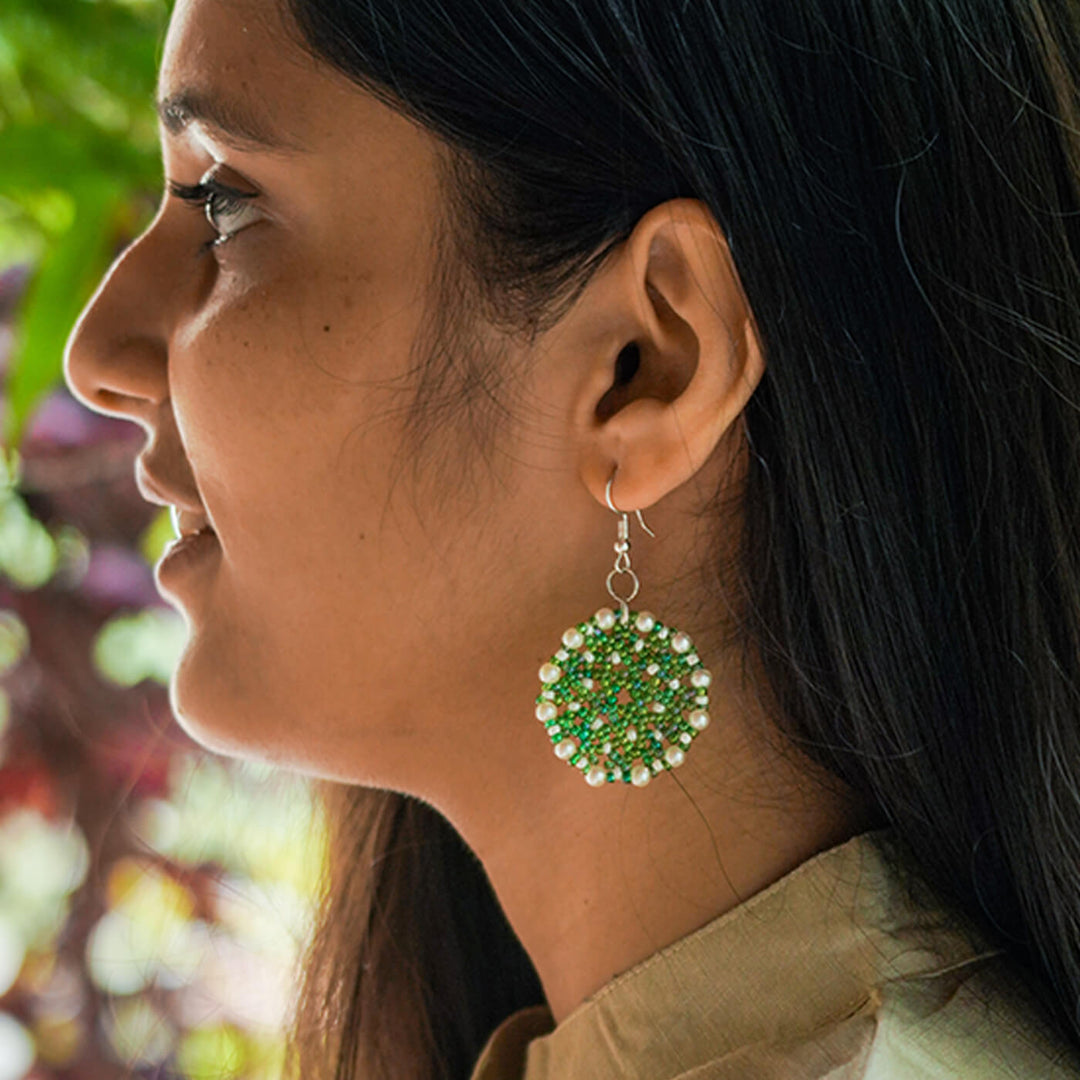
(809, 949)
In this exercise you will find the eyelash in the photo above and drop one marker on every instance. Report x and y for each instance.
(210, 193)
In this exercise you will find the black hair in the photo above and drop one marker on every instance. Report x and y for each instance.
(899, 185)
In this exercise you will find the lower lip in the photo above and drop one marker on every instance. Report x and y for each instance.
(187, 556)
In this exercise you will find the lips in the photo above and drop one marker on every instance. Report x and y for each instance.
(189, 522)
(188, 514)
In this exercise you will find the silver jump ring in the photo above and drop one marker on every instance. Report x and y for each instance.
(614, 595)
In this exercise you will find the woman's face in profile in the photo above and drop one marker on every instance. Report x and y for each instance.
(380, 616)
(272, 372)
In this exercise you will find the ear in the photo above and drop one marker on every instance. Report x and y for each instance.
(678, 359)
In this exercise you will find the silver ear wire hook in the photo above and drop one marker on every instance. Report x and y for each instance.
(607, 495)
(622, 552)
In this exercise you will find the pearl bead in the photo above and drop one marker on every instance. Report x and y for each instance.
(562, 654)
(699, 718)
(607, 748)
(657, 765)
(546, 711)
(645, 621)
(550, 673)
(596, 776)
(604, 618)
(701, 678)
(573, 637)
(652, 669)
(686, 738)
(674, 756)
(565, 749)
(615, 658)
(588, 684)
(693, 659)
(640, 775)
(631, 734)
(657, 706)
(681, 642)
(582, 764)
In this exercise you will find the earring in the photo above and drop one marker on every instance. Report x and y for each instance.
(626, 695)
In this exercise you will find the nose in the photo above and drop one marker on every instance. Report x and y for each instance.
(115, 359)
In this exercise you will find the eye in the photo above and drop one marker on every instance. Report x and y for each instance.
(219, 202)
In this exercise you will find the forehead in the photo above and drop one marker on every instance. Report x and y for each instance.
(235, 41)
(239, 60)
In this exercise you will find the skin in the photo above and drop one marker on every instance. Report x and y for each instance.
(357, 625)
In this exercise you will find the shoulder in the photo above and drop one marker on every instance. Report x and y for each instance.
(972, 1021)
(965, 1022)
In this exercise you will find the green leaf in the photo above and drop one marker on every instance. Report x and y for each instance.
(147, 645)
(64, 281)
(27, 549)
(157, 535)
(214, 1052)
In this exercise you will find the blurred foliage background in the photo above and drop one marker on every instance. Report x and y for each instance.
(153, 898)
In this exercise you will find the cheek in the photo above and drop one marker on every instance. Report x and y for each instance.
(255, 376)
(289, 400)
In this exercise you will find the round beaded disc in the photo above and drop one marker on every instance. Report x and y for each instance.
(623, 701)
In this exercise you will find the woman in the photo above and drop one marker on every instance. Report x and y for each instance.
(475, 295)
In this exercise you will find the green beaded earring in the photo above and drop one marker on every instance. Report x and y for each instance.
(626, 695)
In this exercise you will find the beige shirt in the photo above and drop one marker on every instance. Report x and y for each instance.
(830, 972)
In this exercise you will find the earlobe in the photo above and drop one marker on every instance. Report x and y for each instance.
(700, 357)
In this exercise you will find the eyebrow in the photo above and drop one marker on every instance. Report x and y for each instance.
(240, 126)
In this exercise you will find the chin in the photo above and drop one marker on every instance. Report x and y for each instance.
(210, 731)
(204, 709)
(233, 728)
(254, 719)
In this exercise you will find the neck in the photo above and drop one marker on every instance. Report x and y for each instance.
(594, 880)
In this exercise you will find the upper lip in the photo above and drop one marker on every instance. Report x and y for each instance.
(189, 514)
